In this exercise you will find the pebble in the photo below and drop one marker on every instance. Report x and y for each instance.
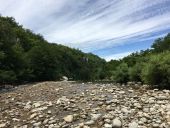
(117, 123)
(68, 118)
(33, 115)
(133, 125)
(2, 125)
(108, 126)
(67, 105)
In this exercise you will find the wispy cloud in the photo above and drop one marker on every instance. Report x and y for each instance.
(117, 56)
(92, 25)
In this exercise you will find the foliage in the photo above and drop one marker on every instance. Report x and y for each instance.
(27, 57)
(135, 72)
(157, 70)
(162, 44)
(121, 73)
(151, 66)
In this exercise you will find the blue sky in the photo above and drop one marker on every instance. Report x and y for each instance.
(111, 29)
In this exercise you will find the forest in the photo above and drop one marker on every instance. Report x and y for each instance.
(27, 57)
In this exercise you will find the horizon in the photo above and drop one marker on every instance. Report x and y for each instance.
(111, 29)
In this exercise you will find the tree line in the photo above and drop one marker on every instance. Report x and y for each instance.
(151, 66)
(28, 57)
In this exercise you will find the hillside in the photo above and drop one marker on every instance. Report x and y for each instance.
(28, 57)
(151, 66)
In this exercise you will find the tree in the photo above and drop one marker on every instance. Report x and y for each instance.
(135, 72)
(161, 44)
(121, 73)
(157, 70)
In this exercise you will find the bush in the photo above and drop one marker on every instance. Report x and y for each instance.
(121, 73)
(7, 77)
(135, 72)
(157, 71)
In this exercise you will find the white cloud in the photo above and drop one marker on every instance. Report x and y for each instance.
(90, 24)
(117, 56)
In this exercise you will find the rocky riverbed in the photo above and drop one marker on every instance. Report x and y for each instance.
(84, 105)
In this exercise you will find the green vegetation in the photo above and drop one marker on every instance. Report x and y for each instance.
(28, 57)
(151, 66)
(157, 70)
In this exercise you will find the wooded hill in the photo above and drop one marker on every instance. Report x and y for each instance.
(28, 57)
(151, 66)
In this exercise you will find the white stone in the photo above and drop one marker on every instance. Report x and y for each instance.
(3, 125)
(96, 116)
(91, 122)
(124, 110)
(117, 123)
(33, 115)
(36, 105)
(68, 118)
(107, 125)
(133, 125)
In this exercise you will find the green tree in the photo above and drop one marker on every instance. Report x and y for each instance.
(121, 73)
(157, 70)
(135, 72)
(161, 44)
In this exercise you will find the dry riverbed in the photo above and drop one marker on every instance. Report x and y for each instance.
(79, 105)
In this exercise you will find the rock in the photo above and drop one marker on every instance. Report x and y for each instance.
(162, 97)
(108, 116)
(64, 78)
(108, 108)
(24, 126)
(3, 125)
(143, 120)
(51, 121)
(45, 121)
(137, 105)
(155, 125)
(108, 102)
(86, 106)
(37, 124)
(39, 109)
(168, 107)
(68, 118)
(124, 110)
(33, 115)
(130, 90)
(166, 91)
(107, 121)
(96, 116)
(107, 125)
(28, 106)
(117, 123)
(133, 125)
(90, 122)
(121, 92)
(49, 112)
(36, 105)
(50, 104)
(168, 119)
(63, 100)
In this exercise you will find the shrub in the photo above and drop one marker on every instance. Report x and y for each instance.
(121, 73)
(157, 70)
(135, 72)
